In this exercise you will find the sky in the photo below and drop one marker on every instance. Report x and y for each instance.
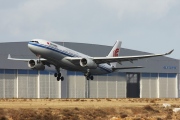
(145, 25)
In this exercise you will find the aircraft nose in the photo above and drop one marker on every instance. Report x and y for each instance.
(30, 46)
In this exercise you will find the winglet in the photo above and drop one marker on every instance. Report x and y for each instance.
(9, 56)
(169, 52)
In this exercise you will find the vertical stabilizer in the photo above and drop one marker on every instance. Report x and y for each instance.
(115, 51)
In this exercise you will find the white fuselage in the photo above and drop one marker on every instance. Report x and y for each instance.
(56, 55)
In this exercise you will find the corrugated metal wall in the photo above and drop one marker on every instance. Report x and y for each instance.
(76, 85)
(28, 84)
(121, 85)
(168, 85)
(44, 81)
(1, 83)
(104, 86)
(42, 84)
(9, 83)
(149, 85)
(163, 85)
(108, 86)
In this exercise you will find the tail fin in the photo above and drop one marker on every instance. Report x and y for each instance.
(115, 51)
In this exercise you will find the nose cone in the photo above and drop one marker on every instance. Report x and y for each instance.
(31, 47)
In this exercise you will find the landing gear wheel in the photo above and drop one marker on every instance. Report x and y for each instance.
(91, 77)
(58, 78)
(55, 74)
(58, 74)
(62, 78)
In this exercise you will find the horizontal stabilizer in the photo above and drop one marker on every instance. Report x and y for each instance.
(114, 69)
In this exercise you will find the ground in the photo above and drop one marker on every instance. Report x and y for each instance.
(89, 109)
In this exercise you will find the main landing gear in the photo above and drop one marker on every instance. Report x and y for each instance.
(58, 75)
(88, 75)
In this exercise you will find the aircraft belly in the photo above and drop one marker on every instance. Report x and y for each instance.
(97, 71)
(58, 60)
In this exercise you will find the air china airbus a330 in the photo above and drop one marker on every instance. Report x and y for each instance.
(49, 53)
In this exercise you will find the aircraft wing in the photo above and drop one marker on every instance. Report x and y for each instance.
(100, 60)
(44, 61)
(20, 59)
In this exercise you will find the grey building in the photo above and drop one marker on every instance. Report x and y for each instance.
(158, 79)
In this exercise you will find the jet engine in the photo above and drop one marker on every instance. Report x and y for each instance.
(89, 63)
(35, 64)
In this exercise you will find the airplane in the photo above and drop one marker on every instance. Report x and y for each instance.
(49, 53)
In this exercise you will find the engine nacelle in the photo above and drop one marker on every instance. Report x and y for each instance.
(36, 65)
(87, 62)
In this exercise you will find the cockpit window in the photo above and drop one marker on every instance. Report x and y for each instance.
(34, 41)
